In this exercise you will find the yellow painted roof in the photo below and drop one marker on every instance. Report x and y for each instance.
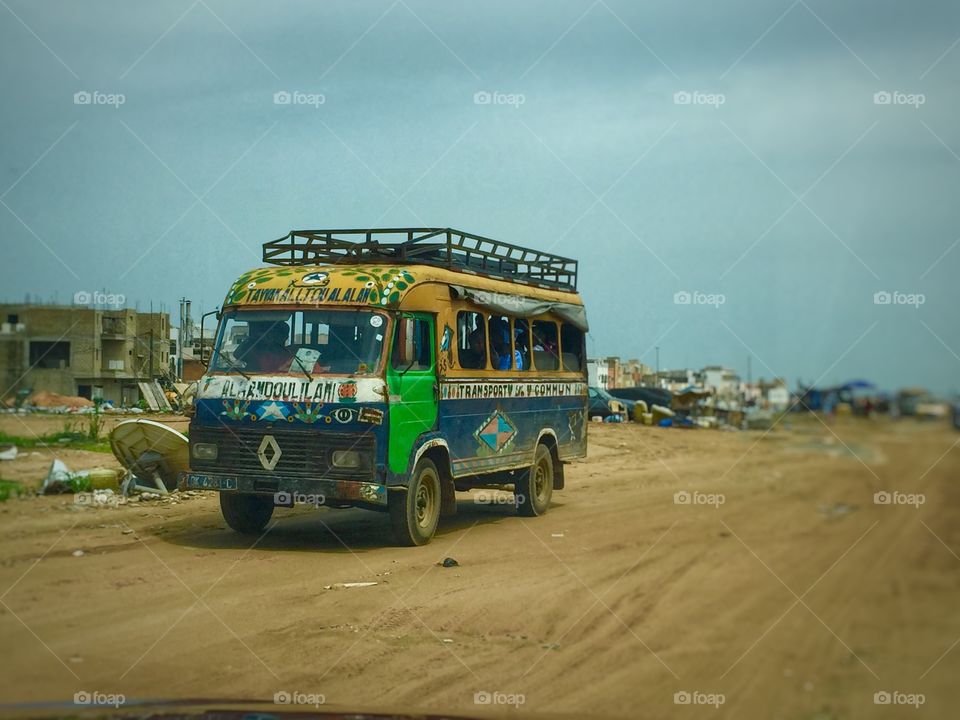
(379, 285)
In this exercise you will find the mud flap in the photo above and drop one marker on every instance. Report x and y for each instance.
(448, 497)
(557, 473)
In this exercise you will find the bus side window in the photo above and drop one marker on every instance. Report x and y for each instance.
(571, 346)
(471, 340)
(521, 341)
(545, 347)
(501, 348)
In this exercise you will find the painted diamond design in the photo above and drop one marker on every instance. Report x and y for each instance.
(496, 431)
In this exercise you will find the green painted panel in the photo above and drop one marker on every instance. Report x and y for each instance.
(412, 388)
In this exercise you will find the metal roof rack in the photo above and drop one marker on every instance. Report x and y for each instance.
(442, 247)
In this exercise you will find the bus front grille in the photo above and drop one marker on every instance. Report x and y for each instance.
(302, 453)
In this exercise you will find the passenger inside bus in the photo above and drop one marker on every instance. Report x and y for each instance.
(474, 356)
(265, 349)
(545, 350)
(521, 342)
(500, 345)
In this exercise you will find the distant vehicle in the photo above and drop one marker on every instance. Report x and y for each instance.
(603, 404)
(651, 396)
(385, 372)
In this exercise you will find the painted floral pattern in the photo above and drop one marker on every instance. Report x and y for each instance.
(386, 285)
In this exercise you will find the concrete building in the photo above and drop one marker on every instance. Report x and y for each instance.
(624, 373)
(774, 394)
(597, 373)
(723, 381)
(77, 350)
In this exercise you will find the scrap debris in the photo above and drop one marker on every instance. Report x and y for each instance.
(338, 586)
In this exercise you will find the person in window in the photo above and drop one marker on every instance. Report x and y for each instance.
(521, 343)
(499, 355)
(541, 343)
(474, 357)
(265, 349)
(500, 346)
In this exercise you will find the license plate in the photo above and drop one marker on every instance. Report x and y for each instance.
(211, 482)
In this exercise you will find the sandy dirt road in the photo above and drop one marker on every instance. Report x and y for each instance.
(782, 587)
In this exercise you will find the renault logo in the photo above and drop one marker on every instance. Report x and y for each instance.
(269, 452)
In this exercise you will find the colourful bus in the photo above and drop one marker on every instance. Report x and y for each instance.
(388, 369)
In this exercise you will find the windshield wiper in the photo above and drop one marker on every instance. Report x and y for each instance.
(233, 366)
(303, 367)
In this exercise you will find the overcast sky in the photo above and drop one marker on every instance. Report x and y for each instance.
(734, 151)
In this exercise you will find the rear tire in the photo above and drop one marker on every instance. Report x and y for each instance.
(415, 513)
(533, 488)
(247, 514)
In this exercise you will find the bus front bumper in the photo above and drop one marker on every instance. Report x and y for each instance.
(288, 491)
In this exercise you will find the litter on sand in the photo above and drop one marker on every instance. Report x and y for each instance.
(338, 586)
(60, 479)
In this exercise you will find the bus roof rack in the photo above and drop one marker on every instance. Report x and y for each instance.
(442, 247)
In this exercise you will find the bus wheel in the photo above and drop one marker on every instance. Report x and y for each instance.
(415, 513)
(247, 514)
(534, 487)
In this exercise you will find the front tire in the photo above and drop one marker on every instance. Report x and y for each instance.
(415, 513)
(247, 514)
(533, 489)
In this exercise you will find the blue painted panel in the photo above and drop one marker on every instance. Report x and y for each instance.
(487, 434)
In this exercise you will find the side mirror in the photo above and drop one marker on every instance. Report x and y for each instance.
(216, 312)
(404, 355)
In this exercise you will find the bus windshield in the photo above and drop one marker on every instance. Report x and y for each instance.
(300, 342)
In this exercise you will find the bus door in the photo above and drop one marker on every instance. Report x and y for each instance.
(412, 385)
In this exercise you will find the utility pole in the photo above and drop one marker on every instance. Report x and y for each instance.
(181, 336)
(150, 364)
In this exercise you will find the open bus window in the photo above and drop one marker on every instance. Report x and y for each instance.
(471, 340)
(411, 345)
(502, 354)
(300, 342)
(571, 347)
(546, 349)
